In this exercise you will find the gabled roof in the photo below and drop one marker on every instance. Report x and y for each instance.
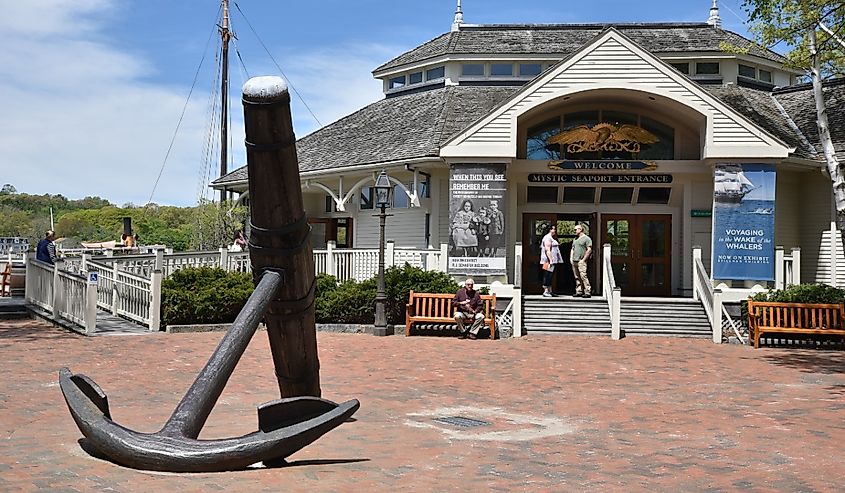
(561, 40)
(729, 133)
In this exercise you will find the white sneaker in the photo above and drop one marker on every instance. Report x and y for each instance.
(547, 295)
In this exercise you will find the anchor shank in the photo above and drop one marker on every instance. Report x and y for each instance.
(189, 416)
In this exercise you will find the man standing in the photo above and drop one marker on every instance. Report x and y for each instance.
(468, 307)
(46, 249)
(582, 247)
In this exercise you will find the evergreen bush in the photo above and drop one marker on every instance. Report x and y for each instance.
(204, 295)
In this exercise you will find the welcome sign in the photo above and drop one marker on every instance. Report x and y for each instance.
(744, 222)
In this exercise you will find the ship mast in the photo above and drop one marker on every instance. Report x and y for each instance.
(226, 35)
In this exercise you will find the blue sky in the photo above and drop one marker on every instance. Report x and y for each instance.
(92, 90)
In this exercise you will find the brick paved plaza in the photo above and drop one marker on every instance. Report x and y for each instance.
(565, 413)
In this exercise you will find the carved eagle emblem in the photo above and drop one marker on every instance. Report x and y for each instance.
(603, 137)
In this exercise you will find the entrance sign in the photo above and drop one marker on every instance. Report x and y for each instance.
(606, 165)
(476, 221)
(744, 222)
(580, 178)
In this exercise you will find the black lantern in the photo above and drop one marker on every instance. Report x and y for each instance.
(383, 188)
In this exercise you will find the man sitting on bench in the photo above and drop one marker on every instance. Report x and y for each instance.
(468, 307)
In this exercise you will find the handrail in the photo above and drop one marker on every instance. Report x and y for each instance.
(710, 297)
(612, 293)
(730, 321)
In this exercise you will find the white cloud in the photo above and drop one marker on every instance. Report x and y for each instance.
(81, 118)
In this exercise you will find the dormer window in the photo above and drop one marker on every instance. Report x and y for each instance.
(435, 73)
(473, 69)
(396, 82)
(707, 68)
(682, 67)
(747, 71)
(529, 69)
(415, 78)
(501, 69)
(765, 76)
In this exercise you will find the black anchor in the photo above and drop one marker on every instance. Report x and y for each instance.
(284, 426)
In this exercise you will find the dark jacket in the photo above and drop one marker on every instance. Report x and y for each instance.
(46, 251)
(474, 301)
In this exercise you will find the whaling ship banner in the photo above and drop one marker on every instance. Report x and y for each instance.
(744, 222)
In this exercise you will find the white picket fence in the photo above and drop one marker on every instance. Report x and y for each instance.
(130, 285)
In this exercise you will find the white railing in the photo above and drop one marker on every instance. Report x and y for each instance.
(360, 264)
(710, 298)
(65, 295)
(133, 296)
(612, 294)
(39, 284)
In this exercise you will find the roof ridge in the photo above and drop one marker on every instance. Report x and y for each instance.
(838, 81)
(582, 25)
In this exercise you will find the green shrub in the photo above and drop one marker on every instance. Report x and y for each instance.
(800, 293)
(204, 295)
(354, 302)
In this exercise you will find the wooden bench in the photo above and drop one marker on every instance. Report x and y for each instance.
(5, 280)
(438, 308)
(794, 318)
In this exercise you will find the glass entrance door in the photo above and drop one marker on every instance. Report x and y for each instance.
(640, 252)
(534, 228)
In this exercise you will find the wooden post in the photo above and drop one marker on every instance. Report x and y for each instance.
(444, 257)
(279, 234)
(90, 302)
(114, 294)
(796, 265)
(58, 290)
(779, 271)
(389, 253)
(517, 264)
(224, 258)
(717, 316)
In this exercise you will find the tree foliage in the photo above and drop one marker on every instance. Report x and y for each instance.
(788, 21)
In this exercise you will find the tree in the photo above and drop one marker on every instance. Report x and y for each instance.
(8, 189)
(812, 29)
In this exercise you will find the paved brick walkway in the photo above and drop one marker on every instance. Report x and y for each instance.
(565, 414)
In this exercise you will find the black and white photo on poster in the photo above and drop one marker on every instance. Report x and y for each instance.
(476, 219)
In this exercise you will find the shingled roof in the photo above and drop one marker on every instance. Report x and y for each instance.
(402, 127)
(799, 103)
(562, 40)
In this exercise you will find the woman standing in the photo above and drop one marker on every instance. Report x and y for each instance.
(549, 256)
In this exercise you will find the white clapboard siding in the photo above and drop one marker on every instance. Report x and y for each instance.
(824, 264)
(443, 219)
(815, 212)
(614, 61)
(406, 227)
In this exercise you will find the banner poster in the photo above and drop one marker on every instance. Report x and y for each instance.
(744, 222)
(477, 219)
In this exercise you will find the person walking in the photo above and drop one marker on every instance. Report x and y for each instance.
(582, 247)
(549, 256)
(45, 251)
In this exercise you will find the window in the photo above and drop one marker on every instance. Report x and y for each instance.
(330, 204)
(682, 67)
(536, 146)
(663, 148)
(415, 78)
(367, 198)
(616, 195)
(529, 69)
(400, 198)
(579, 195)
(543, 195)
(747, 71)
(707, 68)
(654, 195)
(424, 187)
(435, 73)
(472, 69)
(765, 76)
(572, 120)
(501, 69)
(396, 82)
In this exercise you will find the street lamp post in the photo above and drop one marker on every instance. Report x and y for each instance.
(382, 189)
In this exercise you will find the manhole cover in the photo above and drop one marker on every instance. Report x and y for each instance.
(461, 421)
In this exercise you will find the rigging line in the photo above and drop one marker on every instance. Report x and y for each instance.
(211, 129)
(182, 116)
(240, 59)
(278, 67)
